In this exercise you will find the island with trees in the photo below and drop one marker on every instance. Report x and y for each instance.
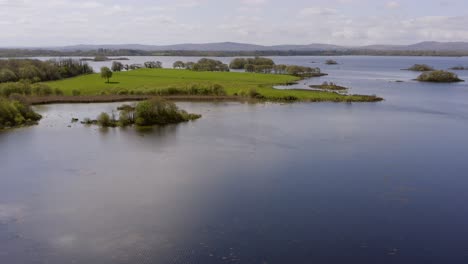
(155, 111)
(459, 68)
(420, 68)
(103, 58)
(439, 77)
(329, 86)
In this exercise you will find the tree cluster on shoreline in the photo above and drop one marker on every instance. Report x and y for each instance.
(268, 66)
(203, 64)
(16, 112)
(13, 70)
(26, 88)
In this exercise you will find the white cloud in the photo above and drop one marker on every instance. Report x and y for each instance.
(317, 11)
(254, 2)
(393, 5)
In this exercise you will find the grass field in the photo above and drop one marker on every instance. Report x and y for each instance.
(234, 83)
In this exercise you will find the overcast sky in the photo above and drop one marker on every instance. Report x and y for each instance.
(268, 22)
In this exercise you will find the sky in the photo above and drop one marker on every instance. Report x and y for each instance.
(42, 23)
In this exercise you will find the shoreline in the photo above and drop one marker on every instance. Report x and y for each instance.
(87, 99)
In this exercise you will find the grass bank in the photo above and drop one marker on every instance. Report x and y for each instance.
(145, 82)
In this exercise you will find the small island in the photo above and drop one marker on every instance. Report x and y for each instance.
(103, 58)
(330, 86)
(439, 77)
(459, 68)
(420, 68)
(331, 62)
(155, 111)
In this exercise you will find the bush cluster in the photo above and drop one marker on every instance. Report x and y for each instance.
(439, 76)
(420, 67)
(155, 111)
(16, 113)
(194, 89)
(13, 70)
(26, 88)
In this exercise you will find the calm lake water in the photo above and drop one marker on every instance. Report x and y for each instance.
(250, 183)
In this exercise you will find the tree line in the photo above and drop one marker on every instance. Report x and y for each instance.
(13, 70)
(266, 65)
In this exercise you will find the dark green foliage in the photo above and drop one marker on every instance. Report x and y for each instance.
(14, 113)
(158, 111)
(153, 64)
(254, 94)
(282, 69)
(178, 65)
(7, 75)
(101, 58)
(35, 70)
(57, 91)
(456, 68)
(41, 89)
(210, 65)
(250, 68)
(106, 73)
(105, 120)
(117, 66)
(329, 86)
(26, 88)
(439, 76)
(420, 67)
(240, 63)
(303, 71)
(76, 92)
(194, 89)
(189, 65)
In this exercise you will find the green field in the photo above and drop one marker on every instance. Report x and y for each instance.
(145, 80)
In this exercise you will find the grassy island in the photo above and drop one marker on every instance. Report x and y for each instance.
(329, 86)
(420, 68)
(186, 84)
(439, 77)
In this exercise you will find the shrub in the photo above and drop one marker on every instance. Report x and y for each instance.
(158, 111)
(439, 76)
(15, 113)
(254, 94)
(57, 91)
(420, 67)
(331, 62)
(76, 92)
(104, 120)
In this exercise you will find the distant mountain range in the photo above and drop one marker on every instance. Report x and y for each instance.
(233, 46)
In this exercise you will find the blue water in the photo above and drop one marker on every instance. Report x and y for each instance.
(250, 183)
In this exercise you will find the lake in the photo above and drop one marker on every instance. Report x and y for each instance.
(250, 183)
